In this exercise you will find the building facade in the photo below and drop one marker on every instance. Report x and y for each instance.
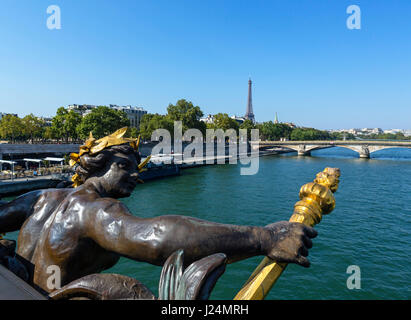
(239, 120)
(208, 119)
(134, 114)
(81, 109)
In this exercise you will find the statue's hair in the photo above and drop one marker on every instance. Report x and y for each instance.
(89, 164)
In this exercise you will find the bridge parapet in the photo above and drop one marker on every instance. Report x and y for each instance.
(363, 147)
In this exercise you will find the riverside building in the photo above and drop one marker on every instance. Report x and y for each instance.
(134, 114)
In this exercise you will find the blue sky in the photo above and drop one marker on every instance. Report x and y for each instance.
(305, 63)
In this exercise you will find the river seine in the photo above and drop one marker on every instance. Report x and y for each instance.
(369, 228)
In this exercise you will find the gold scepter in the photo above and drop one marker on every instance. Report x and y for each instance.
(316, 199)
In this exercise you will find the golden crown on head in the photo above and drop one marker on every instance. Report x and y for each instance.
(93, 146)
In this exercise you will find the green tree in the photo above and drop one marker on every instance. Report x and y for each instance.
(57, 123)
(151, 122)
(11, 127)
(33, 127)
(133, 132)
(102, 121)
(310, 134)
(247, 124)
(386, 136)
(224, 122)
(64, 124)
(187, 113)
(50, 133)
(274, 131)
(342, 136)
(73, 120)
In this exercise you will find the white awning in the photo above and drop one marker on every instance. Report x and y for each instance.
(54, 159)
(9, 162)
(32, 160)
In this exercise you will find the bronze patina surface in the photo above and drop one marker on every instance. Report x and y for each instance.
(85, 230)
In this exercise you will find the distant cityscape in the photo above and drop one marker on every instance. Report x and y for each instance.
(368, 131)
(135, 114)
(354, 131)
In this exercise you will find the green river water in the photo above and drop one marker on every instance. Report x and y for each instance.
(369, 228)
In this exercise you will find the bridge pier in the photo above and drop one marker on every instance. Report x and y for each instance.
(302, 150)
(364, 153)
(304, 153)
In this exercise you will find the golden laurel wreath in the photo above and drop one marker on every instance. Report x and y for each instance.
(93, 146)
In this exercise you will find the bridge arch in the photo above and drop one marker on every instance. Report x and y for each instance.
(362, 150)
(366, 150)
(301, 149)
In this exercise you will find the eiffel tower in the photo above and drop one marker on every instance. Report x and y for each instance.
(249, 113)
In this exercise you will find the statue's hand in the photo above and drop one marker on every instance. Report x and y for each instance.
(288, 242)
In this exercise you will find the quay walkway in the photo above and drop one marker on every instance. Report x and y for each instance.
(22, 185)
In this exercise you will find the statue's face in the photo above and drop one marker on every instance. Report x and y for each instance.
(119, 176)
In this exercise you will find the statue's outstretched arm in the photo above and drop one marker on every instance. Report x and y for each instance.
(154, 240)
(14, 213)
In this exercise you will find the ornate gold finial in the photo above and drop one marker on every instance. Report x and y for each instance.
(329, 178)
(316, 199)
(93, 146)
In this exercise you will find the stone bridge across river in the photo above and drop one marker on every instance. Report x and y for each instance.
(363, 147)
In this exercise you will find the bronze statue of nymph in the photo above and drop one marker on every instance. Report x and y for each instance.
(85, 230)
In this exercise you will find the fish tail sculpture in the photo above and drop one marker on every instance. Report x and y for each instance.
(193, 283)
(176, 282)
